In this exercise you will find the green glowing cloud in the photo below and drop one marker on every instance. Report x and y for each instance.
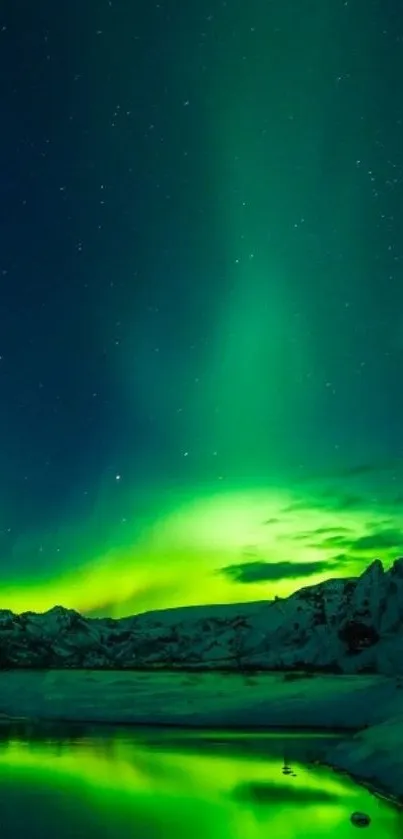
(269, 539)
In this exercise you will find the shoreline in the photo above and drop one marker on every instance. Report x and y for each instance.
(366, 710)
(374, 758)
(375, 789)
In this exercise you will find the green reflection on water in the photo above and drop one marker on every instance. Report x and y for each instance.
(153, 785)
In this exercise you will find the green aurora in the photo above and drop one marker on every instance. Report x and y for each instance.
(223, 546)
(274, 441)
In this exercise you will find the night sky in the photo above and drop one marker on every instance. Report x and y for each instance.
(201, 307)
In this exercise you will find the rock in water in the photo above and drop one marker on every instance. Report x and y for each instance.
(360, 819)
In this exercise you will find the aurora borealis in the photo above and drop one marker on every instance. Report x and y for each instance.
(201, 330)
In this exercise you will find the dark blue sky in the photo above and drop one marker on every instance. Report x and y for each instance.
(201, 263)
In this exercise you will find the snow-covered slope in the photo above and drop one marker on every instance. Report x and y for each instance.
(343, 625)
(374, 756)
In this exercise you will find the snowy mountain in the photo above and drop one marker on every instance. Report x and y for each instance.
(341, 625)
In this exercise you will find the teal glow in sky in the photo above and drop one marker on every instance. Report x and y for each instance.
(201, 331)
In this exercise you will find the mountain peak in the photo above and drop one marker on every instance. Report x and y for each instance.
(342, 625)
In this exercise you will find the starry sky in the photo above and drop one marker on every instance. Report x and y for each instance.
(201, 307)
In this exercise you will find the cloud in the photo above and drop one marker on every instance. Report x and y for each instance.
(379, 540)
(338, 559)
(373, 468)
(363, 469)
(333, 498)
(150, 597)
(324, 531)
(335, 541)
(330, 498)
(296, 506)
(259, 571)
(349, 502)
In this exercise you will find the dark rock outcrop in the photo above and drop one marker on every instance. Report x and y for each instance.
(342, 625)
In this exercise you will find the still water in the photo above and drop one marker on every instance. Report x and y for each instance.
(156, 784)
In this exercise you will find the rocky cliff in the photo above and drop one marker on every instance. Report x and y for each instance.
(343, 626)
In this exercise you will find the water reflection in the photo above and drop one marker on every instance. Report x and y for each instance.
(155, 784)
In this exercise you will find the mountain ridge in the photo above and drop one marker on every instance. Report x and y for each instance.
(341, 625)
